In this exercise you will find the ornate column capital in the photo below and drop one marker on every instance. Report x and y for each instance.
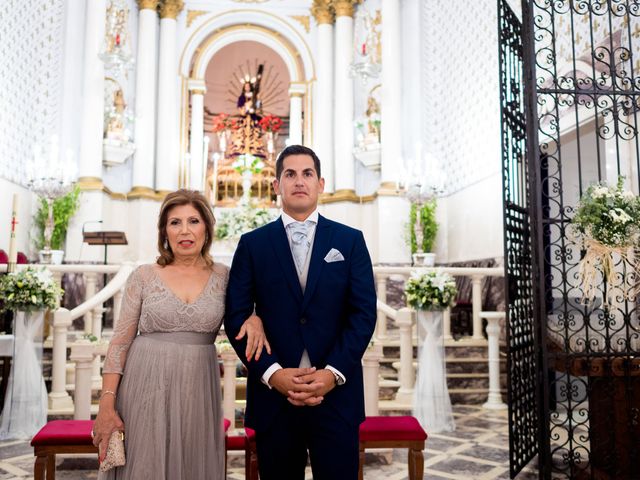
(148, 4)
(171, 8)
(344, 8)
(323, 12)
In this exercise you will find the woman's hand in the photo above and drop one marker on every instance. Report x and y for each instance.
(107, 422)
(256, 339)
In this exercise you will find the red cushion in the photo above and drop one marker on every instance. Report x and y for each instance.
(391, 428)
(64, 432)
(239, 442)
(227, 424)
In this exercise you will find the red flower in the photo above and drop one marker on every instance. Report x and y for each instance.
(270, 123)
(222, 122)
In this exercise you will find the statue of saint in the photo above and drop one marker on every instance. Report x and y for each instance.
(373, 121)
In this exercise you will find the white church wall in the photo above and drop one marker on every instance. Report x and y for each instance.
(462, 124)
(31, 48)
(473, 222)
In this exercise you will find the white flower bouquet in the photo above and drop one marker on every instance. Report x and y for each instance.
(29, 289)
(430, 290)
(232, 224)
(607, 222)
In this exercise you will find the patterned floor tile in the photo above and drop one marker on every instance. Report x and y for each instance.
(476, 450)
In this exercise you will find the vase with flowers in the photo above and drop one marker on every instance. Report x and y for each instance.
(430, 292)
(607, 228)
(28, 292)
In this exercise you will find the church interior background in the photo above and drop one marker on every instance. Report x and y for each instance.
(132, 99)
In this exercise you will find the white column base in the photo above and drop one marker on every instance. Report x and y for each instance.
(494, 402)
(60, 401)
(404, 396)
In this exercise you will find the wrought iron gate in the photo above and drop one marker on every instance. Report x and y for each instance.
(574, 364)
(522, 362)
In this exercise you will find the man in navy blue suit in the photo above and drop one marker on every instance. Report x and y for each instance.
(310, 280)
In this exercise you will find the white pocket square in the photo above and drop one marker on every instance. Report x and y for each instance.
(334, 256)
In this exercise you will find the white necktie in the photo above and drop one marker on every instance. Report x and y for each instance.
(300, 242)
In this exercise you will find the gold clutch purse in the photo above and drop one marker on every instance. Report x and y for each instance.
(115, 452)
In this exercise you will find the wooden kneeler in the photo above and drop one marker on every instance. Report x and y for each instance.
(60, 436)
(394, 432)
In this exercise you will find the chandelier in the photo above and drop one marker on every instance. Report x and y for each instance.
(116, 54)
(50, 176)
(366, 64)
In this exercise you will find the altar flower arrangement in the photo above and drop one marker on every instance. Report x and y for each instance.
(607, 223)
(29, 289)
(270, 123)
(430, 290)
(232, 224)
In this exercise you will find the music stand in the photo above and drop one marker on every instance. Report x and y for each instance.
(106, 239)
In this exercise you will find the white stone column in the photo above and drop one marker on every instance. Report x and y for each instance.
(82, 355)
(404, 321)
(92, 124)
(391, 94)
(343, 111)
(370, 374)
(296, 93)
(196, 173)
(167, 140)
(229, 359)
(146, 63)
(90, 282)
(59, 399)
(381, 322)
(392, 209)
(323, 104)
(494, 400)
(476, 306)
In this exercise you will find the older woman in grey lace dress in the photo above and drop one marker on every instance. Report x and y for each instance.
(160, 380)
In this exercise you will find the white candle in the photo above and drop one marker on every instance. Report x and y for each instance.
(13, 250)
(214, 183)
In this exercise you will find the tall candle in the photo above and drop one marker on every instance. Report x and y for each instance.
(13, 250)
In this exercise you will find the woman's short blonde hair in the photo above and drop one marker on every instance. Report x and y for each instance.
(177, 199)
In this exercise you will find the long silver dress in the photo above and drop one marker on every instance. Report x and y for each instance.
(169, 395)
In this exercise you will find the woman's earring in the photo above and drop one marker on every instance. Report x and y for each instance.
(166, 244)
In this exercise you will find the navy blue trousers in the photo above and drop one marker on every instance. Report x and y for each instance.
(331, 442)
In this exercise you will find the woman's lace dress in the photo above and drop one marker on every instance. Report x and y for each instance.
(169, 395)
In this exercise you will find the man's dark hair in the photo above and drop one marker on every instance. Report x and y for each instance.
(296, 150)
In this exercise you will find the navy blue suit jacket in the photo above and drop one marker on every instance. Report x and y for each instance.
(333, 320)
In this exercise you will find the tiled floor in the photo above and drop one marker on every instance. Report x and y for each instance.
(477, 450)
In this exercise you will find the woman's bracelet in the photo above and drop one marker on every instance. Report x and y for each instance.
(108, 392)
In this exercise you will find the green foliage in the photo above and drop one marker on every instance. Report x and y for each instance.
(430, 291)
(428, 224)
(233, 224)
(29, 289)
(63, 209)
(609, 215)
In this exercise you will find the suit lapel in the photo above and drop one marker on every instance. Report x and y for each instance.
(282, 250)
(321, 244)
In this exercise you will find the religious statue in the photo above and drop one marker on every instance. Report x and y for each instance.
(373, 121)
(116, 118)
(249, 102)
